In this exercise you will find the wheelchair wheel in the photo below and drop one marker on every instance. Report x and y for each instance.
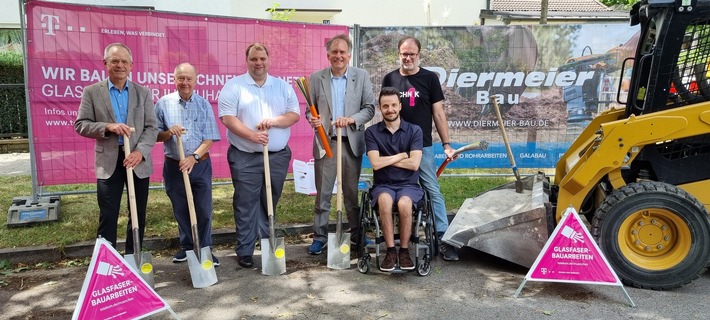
(424, 266)
(364, 224)
(363, 264)
(430, 233)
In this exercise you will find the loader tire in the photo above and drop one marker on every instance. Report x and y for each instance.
(654, 235)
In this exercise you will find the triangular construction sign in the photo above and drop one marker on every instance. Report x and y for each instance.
(571, 255)
(112, 290)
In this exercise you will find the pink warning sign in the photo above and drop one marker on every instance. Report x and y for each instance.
(112, 290)
(571, 255)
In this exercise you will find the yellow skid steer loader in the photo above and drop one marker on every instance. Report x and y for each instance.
(640, 175)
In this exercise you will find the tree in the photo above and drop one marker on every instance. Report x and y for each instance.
(619, 5)
(281, 15)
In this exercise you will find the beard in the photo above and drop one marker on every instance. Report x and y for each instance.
(390, 117)
(407, 67)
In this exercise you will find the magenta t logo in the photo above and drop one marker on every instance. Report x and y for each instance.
(50, 24)
(412, 92)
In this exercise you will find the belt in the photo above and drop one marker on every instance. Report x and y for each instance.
(335, 138)
(257, 152)
(203, 158)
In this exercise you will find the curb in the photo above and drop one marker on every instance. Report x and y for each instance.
(30, 255)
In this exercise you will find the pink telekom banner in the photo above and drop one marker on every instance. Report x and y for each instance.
(65, 46)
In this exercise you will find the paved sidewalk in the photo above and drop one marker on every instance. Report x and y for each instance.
(15, 164)
(478, 286)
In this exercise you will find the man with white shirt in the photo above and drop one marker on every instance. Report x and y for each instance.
(257, 110)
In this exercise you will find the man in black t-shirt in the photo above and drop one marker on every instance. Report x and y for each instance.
(422, 99)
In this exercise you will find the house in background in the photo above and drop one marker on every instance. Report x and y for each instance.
(506, 12)
(370, 13)
(341, 12)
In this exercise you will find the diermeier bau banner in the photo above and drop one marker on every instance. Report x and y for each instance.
(549, 81)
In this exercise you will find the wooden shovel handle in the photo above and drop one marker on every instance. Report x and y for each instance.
(518, 182)
(188, 187)
(267, 182)
(131, 184)
(339, 170)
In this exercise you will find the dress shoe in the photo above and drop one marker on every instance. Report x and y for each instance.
(246, 261)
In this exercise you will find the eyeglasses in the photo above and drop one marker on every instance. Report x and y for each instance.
(408, 55)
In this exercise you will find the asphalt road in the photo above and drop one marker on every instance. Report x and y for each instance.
(478, 286)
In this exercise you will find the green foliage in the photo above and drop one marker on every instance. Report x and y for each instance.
(622, 5)
(11, 64)
(554, 44)
(280, 15)
(13, 114)
(78, 217)
(10, 36)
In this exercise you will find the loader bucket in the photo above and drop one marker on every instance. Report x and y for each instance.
(509, 225)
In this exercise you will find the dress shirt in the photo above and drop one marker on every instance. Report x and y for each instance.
(243, 98)
(119, 103)
(195, 115)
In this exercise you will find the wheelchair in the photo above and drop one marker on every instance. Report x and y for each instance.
(423, 239)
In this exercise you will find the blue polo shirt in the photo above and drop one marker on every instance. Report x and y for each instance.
(407, 138)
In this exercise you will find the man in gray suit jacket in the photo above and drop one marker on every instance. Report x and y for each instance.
(108, 110)
(343, 95)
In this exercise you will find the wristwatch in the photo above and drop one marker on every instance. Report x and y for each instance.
(197, 157)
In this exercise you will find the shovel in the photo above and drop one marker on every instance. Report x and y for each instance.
(482, 145)
(273, 260)
(141, 262)
(339, 242)
(518, 182)
(199, 259)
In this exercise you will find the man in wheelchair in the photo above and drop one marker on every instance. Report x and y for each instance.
(394, 148)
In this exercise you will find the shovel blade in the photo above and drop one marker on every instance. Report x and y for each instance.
(273, 260)
(202, 272)
(339, 251)
(145, 269)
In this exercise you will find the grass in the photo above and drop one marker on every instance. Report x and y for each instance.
(78, 216)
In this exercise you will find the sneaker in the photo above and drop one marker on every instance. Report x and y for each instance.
(389, 261)
(180, 256)
(368, 242)
(215, 261)
(448, 252)
(316, 247)
(405, 261)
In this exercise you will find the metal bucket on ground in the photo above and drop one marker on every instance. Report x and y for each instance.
(504, 223)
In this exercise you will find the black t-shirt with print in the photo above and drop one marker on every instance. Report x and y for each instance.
(417, 93)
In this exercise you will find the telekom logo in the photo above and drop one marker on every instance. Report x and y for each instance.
(412, 94)
(51, 24)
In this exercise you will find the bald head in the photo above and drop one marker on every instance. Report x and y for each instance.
(185, 79)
